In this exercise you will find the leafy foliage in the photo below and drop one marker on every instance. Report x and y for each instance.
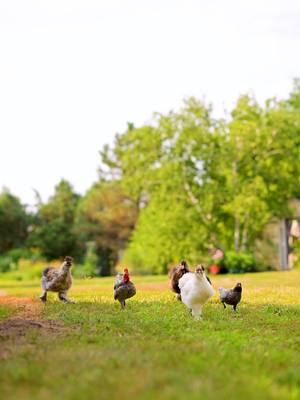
(106, 217)
(53, 231)
(174, 188)
(201, 182)
(14, 222)
(240, 262)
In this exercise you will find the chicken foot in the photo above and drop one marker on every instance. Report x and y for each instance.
(43, 296)
(63, 297)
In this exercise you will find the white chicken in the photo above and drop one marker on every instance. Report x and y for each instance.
(195, 290)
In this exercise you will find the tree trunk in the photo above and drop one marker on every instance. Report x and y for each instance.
(237, 233)
(244, 237)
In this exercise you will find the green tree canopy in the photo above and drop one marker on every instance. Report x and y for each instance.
(13, 222)
(107, 217)
(201, 182)
(53, 232)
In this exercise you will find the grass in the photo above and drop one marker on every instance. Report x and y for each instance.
(155, 350)
(4, 312)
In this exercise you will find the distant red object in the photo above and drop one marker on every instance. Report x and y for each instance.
(214, 269)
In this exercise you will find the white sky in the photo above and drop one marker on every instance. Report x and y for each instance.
(72, 73)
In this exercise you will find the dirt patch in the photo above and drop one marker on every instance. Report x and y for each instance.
(18, 327)
(27, 318)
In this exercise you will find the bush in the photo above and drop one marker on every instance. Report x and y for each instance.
(26, 269)
(12, 259)
(296, 254)
(90, 261)
(17, 254)
(5, 263)
(237, 263)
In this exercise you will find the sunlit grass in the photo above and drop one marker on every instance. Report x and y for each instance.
(155, 350)
(4, 312)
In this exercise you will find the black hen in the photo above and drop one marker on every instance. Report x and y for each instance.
(231, 296)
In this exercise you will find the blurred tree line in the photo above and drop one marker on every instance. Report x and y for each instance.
(172, 189)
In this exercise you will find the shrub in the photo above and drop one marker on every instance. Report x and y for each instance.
(13, 259)
(237, 263)
(17, 254)
(90, 262)
(5, 263)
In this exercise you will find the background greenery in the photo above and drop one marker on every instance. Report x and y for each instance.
(176, 188)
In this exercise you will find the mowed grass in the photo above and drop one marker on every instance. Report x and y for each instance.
(155, 350)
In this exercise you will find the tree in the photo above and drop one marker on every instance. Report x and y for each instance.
(133, 160)
(53, 232)
(179, 220)
(260, 166)
(14, 222)
(200, 182)
(246, 202)
(107, 217)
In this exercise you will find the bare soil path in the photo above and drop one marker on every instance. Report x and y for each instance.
(27, 317)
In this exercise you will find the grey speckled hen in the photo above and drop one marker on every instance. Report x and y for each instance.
(231, 297)
(58, 280)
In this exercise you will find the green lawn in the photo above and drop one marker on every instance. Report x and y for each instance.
(154, 349)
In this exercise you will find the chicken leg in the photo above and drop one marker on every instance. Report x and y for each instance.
(43, 296)
(123, 304)
(63, 297)
(197, 311)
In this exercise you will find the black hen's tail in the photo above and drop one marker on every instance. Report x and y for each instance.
(185, 266)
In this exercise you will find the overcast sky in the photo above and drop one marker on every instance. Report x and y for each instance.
(72, 73)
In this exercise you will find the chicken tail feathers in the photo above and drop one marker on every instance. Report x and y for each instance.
(223, 293)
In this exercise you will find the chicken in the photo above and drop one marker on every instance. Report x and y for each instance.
(58, 280)
(124, 288)
(175, 274)
(195, 290)
(119, 278)
(231, 296)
